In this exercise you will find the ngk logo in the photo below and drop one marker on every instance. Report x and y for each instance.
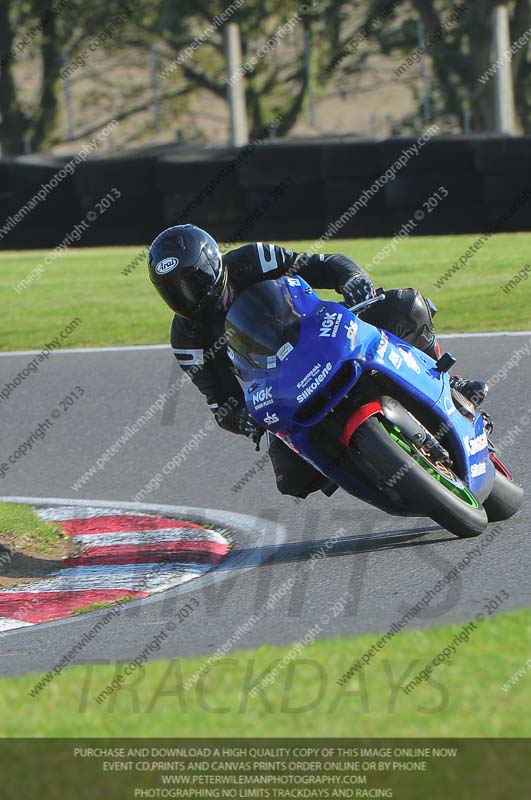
(263, 397)
(330, 324)
(263, 394)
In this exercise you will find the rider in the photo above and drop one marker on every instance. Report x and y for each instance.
(199, 284)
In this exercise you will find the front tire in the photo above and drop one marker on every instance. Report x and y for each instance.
(505, 498)
(461, 514)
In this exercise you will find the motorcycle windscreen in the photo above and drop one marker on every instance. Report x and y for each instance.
(263, 325)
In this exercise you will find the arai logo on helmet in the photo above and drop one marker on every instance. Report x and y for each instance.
(166, 265)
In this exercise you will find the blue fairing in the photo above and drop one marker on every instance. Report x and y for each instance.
(326, 350)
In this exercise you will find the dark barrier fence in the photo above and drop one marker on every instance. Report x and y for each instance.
(274, 191)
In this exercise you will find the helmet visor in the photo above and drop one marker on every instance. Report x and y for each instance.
(186, 290)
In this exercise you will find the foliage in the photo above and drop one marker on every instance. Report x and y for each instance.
(458, 57)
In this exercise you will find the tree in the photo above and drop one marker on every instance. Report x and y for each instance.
(44, 27)
(276, 81)
(459, 58)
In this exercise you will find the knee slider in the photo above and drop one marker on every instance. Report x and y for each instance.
(412, 319)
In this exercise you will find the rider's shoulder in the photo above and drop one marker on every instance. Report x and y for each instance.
(256, 257)
(184, 331)
(241, 255)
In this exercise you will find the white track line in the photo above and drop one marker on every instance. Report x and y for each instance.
(150, 537)
(200, 515)
(6, 624)
(147, 577)
(482, 334)
(78, 350)
(140, 347)
(63, 513)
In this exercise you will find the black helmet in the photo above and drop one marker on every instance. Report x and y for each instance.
(186, 269)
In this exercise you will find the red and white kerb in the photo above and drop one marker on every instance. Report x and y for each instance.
(123, 554)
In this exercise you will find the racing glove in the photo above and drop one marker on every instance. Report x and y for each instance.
(248, 427)
(246, 424)
(356, 290)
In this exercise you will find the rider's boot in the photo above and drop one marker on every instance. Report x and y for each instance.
(473, 391)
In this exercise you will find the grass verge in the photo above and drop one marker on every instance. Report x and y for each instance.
(115, 309)
(29, 546)
(22, 530)
(463, 696)
(99, 606)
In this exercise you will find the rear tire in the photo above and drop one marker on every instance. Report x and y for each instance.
(504, 500)
(418, 489)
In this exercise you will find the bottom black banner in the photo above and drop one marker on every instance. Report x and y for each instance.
(405, 769)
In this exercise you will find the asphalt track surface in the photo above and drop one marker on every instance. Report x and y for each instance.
(386, 563)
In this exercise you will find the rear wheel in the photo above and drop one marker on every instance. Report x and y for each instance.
(506, 496)
(434, 490)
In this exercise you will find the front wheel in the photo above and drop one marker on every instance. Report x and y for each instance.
(435, 492)
(506, 496)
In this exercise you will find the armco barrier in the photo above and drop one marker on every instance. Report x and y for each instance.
(339, 195)
(406, 190)
(188, 207)
(503, 154)
(500, 188)
(208, 172)
(271, 163)
(37, 183)
(274, 190)
(441, 153)
(343, 161)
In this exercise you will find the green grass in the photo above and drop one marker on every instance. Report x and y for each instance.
(98, 606)
(463, 698)
(118, 310)
(22, 530)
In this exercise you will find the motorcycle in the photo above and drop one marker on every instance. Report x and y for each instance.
(375, 415)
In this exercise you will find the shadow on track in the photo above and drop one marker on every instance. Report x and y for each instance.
(347, 545)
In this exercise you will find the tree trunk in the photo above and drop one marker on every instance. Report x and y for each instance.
(46, 114)
(480, 96)
(13, 123)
